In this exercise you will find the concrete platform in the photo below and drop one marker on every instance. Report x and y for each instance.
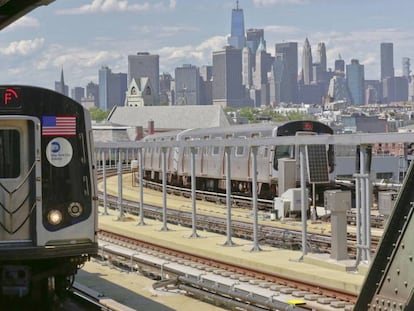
(313, 268)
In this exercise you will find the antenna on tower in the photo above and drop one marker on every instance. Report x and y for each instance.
(237, 4)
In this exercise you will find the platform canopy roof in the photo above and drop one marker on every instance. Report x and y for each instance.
(11, 10)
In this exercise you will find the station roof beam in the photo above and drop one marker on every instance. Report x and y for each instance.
(11, 10)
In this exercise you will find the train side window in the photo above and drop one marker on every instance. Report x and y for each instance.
(239, 151)
(281, 152)
(216, 150)
(9, 147)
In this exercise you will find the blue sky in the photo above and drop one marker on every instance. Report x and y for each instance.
(81, 36)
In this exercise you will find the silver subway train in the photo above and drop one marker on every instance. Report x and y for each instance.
(48, 199)
(210, 161)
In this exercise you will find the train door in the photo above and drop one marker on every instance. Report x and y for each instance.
(19, 170)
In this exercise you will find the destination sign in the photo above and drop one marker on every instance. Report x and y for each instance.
(9, 98)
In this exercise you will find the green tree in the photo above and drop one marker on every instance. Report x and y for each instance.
(98, 114)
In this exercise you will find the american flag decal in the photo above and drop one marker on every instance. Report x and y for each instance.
(58, 126)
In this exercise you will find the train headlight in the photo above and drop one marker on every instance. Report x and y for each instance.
(75, 209)
(54, 217)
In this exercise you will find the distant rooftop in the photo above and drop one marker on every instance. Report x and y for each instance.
(170, 117)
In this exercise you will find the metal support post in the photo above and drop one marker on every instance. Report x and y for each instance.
(314, 212)
(120, 207)
(126, 157)
(303, 200)
(193, 194)
(227, 152)
(104, 183)
(358, 218)
(368, 203)
(141, 188)
(256, 246)
(363, 204)
(164, 189)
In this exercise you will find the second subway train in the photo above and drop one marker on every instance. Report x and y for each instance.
(210, 160)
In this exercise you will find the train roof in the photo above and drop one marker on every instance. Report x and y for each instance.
(241, 130)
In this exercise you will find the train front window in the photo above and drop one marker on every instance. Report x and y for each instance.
(9, 153)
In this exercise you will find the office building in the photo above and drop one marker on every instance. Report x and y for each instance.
(142, 65)
(112, 88)
(253, 38)
(288, 54)
(77, 93)
(206, 85)
(401, 89)
(307, 63)
(373, 91)
(228, 90)
(260, 72)
(166, 89)
(247, 68)
(406, 67)
(387, 60)
(355, 78)
(92, 92)
(339, 65)
(237, 38)
(187, 85)
(322, 56)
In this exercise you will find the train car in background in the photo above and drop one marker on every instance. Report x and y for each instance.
(48, 196)
(210, 160)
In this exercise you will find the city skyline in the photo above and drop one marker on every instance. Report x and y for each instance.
(81, 36)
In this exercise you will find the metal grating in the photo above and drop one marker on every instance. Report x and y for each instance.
(317, 163)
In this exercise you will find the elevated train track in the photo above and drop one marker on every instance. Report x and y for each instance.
(231, 285)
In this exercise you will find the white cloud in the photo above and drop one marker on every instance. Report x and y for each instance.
(175, 56)
(76, 58)
(23, 22)
(105, 6)
(22, 47)
(266, 3)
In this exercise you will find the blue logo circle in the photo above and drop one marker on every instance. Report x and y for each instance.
(55, 147)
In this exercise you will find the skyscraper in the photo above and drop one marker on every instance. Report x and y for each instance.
(260, 73)
(145, 65)
(406, 67)
(288, 52)
(322, 56)
(339, 65)
(387, 60)
(206, 85)
(166, 92)
(187, 85)
(92, 91)
(253, 37)
(78, 93)
(227, 78)
(237, 38)
(355, 78)
(275, 83)
(307, 63)
(112, 88)
(247, 78)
